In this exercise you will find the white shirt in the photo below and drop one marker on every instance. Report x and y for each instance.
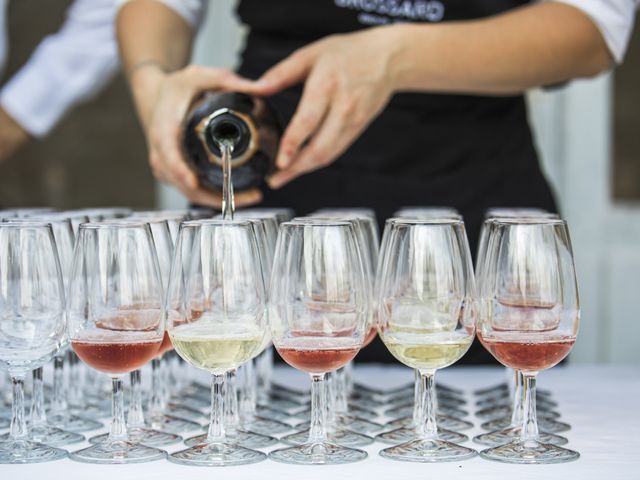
(66, 68)
(614, 18)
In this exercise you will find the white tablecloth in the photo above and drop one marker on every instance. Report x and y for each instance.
(600, 402)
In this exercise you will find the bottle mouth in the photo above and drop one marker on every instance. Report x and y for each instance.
(226, 127)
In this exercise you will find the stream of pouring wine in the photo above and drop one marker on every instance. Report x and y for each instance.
(228, 204)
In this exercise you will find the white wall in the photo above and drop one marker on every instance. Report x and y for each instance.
(573, 130)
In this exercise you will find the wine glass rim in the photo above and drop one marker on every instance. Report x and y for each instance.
(523, 216)
(114, 223)
(216, 222)
(530, 221)
(316, 222)
(24, 223)
(427, 221)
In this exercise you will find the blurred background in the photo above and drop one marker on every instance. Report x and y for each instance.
(586, 132)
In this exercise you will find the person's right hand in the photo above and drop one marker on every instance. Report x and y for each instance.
(162, 105)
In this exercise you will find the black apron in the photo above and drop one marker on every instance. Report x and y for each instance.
(468, 152)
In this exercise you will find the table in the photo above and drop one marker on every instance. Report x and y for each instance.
(600, 402)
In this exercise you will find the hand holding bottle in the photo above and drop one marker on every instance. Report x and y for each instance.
(163, 101)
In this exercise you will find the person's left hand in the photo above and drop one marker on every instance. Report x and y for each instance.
(347, 83)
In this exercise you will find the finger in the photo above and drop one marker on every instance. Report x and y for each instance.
(290, 71)
(248, 197)
(331, 140)
(201, 78)
(311, 110)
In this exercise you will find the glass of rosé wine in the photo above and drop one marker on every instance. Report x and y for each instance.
(529, 316)
(32, 324)
(115, 320)
(318, 314)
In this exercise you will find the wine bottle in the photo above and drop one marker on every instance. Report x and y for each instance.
(248, 124)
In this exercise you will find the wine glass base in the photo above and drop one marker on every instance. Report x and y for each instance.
(52, 436)
(266, 426)
(118, 452)
(181, 411)
(443, 421)
(427, 451)
(74, 423)
(342, 437)
(507, 435)
(91, 411)
(530, 452)
(171, 424)
(407, 411)
(216, 455)
(366, 403)
(146, 436)
(25, 451)
(502, 411)
(407, 434)
(317, 454)
(545, 424)
(273, 413)
(243, 438)
(349, 422)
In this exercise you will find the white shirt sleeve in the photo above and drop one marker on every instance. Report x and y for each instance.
(66, 68)
(193, 11)
(614, 19)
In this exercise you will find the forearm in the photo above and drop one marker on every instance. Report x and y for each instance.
(153, 40)
(538, 45)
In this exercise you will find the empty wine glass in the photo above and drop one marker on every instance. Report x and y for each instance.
(32, 323)
(529, 317)
(426, 308)
(41, 429)
(115, 320)
(318, 313)
(216, 318)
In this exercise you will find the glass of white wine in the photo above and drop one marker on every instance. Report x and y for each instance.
(426, 307)
(216, 318)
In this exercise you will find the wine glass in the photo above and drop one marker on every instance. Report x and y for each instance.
(505, 414)
(318, 313)
(426, 308)
(42, 429)
(529, 317)
(216, 317)
(115, 320)
(32, 323)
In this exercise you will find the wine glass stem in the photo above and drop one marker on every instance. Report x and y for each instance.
(317, 430)
(75, 379)
(429, 429)
(248, 391)
(340, 387)
(530, 420)
(136, 415)
(231, 418)
(417, 399)
(518, 397)
(216, 433)
(59, 401)
(118, 431)
(156, 405)
(37, 415)
(329, 389)
(18, 421)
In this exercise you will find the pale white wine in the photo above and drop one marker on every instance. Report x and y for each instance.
(218, 348)
(429, 351)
